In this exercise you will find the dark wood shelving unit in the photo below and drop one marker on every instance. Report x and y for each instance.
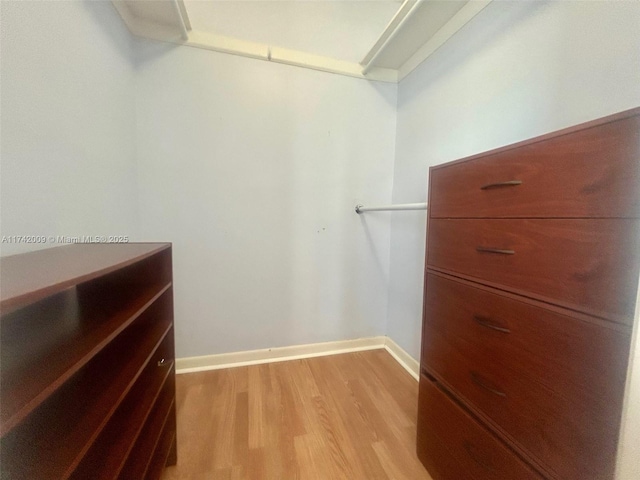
(160, 423)
(112, 447)
(87, 362)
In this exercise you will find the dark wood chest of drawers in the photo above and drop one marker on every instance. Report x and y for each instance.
(532, 263)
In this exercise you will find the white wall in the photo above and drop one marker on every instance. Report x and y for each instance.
(67, 125)
(252, 170)
(520, 69)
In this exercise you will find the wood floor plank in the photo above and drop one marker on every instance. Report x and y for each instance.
(304, 389)
(359, 430)
(223, 408)
(393, 464)
(257, 405)
(311, 454)
(349, 416)
(286, 423)
(197, 423)
(241, 432)
(291, 409)
(257, 463)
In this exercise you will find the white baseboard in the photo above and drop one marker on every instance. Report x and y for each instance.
(409, 363)
(279, 354)
(295, 352)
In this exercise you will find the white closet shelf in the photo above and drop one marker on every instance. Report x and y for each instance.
(416, 31)
(166, 20)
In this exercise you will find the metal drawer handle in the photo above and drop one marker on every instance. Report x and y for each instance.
(473, 453)
(509, 183)
(485, 322)
(501, 251)
(162, 362)
(478, 380)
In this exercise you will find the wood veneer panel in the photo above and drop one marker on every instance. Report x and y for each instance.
(52, 441)
(109, 452)
(556, 348)
(454, 445)
(46, 343)
(29, 277)
(163, 449)
(555, 218)
(588, 265)
(155, 430)
(561, 380)
(589, 172)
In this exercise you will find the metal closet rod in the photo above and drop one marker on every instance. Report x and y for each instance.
(401, 206)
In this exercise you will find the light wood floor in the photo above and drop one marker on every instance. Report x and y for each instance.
(349, 416)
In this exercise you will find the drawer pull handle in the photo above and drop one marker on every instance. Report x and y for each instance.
(509, 183)
(472, 452)
(162, 362)
(478, 380)
(485, 322)
(500, 251)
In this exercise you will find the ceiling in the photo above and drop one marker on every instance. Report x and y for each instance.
(344, 30)
(372, 39)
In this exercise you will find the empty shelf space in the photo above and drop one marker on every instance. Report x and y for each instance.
(63, 267)
(65, 332)
(163, 450)
(160, 423)
(111, 449)
(56, 435)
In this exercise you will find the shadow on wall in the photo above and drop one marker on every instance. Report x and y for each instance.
(123, 39)
(383, 91)
(116, 31)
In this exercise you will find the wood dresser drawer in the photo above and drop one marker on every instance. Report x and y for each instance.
(551, 383)
(588, 265)
(593, 172)
(454, 446)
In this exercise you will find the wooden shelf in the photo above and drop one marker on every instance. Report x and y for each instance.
(139, 461)
(60, 432)
(163, 450)
(112, 448)
(64, 338)
(30, 277)
(413, 34)
(87, 356)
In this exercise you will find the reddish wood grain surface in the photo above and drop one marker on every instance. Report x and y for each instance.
(563, 379)
(452, 445)
(589, 173)
(589, 265)
(79, 372)
(530, 289)
(32, 276)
